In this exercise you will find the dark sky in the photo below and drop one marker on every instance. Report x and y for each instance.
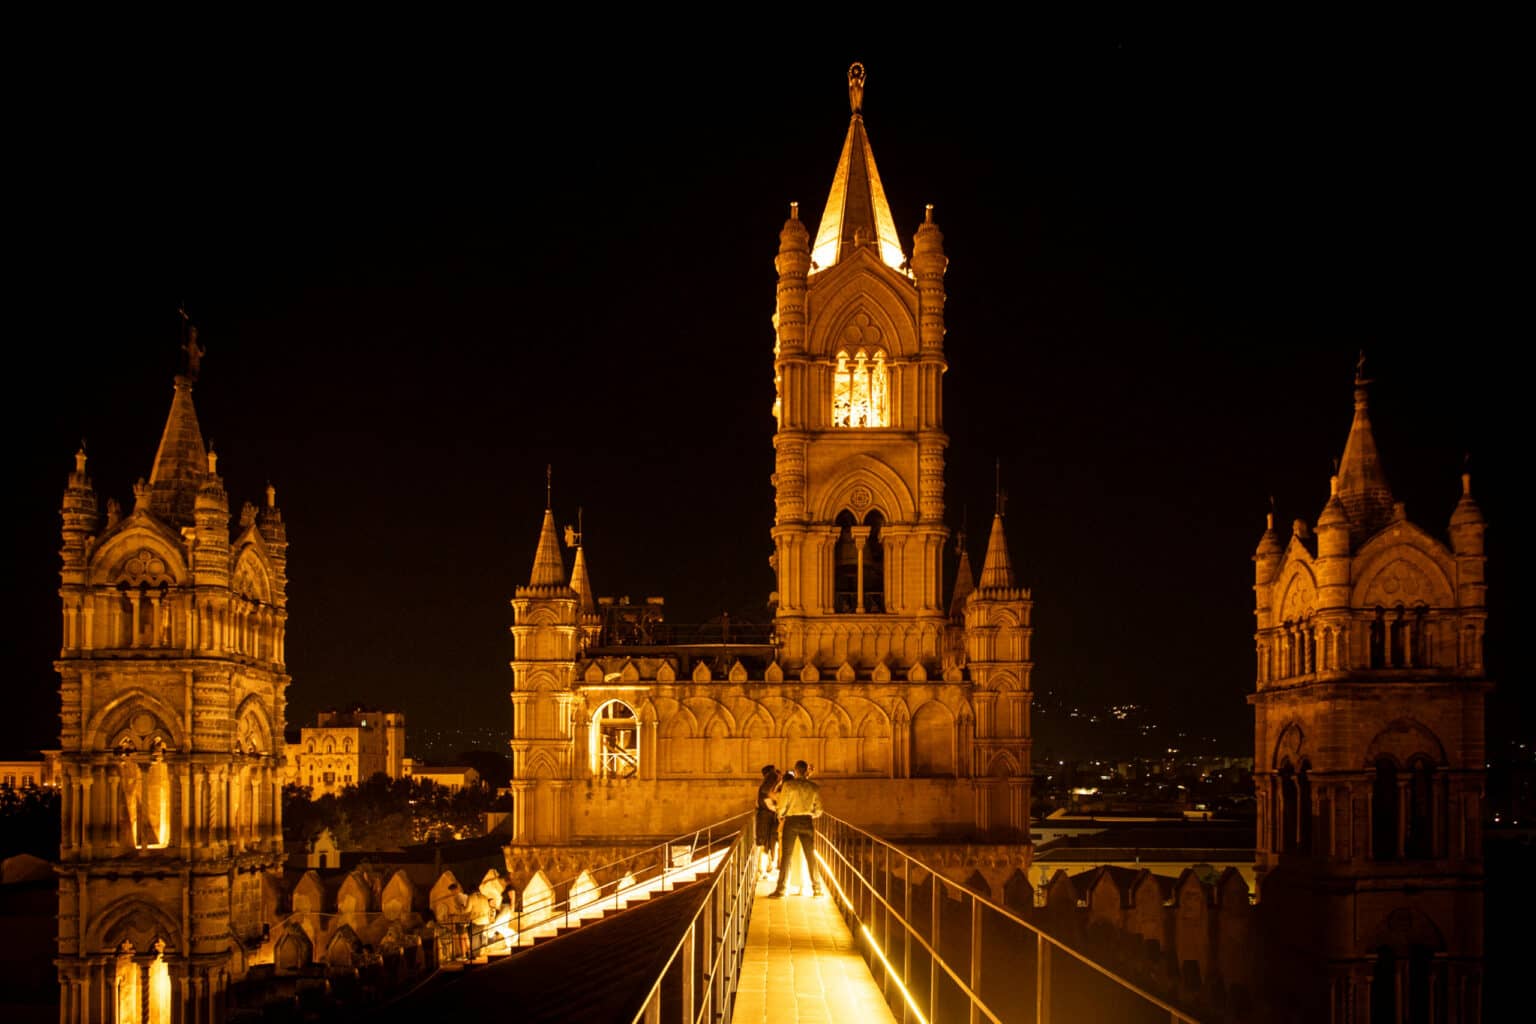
(420, 280)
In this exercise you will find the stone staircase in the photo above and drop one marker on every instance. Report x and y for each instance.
(585, 905)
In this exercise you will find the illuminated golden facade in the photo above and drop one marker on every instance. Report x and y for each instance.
(347, 748)
(1369, 751)
(916, 719)
(172, 688)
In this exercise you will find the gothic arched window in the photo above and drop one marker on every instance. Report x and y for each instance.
(873, 589)
(1384, 810)
(1378, 641)
(615, 742)
(860, 390)
(1289, 810)
(845, 567)
(1419, 844)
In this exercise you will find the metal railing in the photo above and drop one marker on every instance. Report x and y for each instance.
(942, 952)
(698, 983)
(462, 941)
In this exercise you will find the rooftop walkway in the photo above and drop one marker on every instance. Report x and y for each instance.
(801, 965)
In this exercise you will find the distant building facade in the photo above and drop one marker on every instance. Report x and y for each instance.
(914, 710)
(172, 683)
(346, 748)
(452, 777)
(29, 774)
(1369, 751)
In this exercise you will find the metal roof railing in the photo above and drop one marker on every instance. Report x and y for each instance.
(963, 957)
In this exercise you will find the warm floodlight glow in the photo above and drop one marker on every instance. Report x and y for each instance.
(859, 387)
(889, 970)
(891, 973)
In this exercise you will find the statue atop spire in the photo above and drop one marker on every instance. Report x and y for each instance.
(191, 350)
(857, 215)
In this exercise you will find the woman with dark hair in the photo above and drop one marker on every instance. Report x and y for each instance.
(767, 824)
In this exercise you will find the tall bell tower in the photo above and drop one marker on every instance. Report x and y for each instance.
(859, 531)
(1369, 752)
(172, 685)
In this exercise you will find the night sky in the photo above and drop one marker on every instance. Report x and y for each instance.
(419, 282)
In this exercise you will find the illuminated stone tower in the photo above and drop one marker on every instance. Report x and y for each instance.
(172, 689)
(545, 630)
(1369, 752)
(859, 451)
(914, 715)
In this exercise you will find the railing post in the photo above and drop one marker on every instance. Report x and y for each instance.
(975, 958)
(1042, 979)
(689, 951)
(906, 935)
(934, 940)
(885, 921)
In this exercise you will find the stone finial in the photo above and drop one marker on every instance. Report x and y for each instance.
(80, 459)
(140, 494)
(271, 495)
(213, 461)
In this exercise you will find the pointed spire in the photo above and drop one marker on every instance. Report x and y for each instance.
(181, 461)
(857, 214)
(548, 568)
(586, 603)
(997, 570)
(1363, 489)
(965, 581)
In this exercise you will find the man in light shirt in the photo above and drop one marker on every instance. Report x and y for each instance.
(799, 807)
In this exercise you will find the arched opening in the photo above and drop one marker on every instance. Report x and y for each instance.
(1378, 640)
(1397, 653)
(1304, 808)
(1384, 810)
(1407, 987)
(1288, 809)
(845, 567)
(615, 742)
(933, 741)
(1384, 988)
(859, 390)
(159, 991)
(1420, 841)
(874, 564)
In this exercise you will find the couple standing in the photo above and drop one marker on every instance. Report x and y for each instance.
(789, 808)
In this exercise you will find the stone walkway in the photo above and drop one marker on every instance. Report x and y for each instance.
(801, 965)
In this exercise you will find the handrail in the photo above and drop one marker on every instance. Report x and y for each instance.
(715, 990)
(1041, 936)
(937, 957)
(476, 936)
